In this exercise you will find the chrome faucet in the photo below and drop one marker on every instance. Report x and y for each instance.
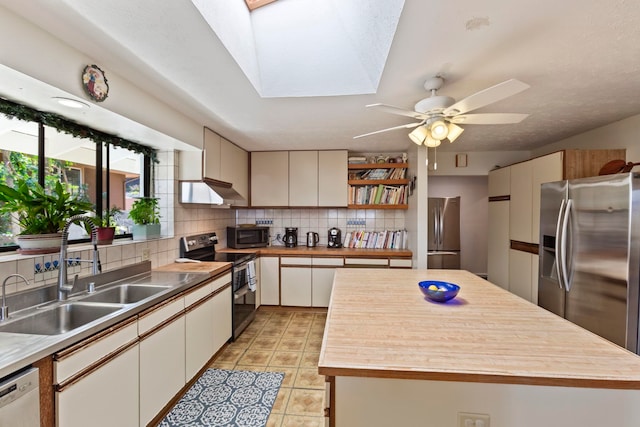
(4, 310)
(63, 286)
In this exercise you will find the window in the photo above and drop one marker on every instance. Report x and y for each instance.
(104, 177)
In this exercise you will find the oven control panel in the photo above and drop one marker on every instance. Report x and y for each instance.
(199, 241)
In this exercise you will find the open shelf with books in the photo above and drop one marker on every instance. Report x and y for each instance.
(378, 185)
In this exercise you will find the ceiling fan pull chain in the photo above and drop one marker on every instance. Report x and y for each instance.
(435, 158)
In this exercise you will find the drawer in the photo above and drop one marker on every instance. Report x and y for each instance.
(155, 316)
(382, 262)
(295, 261)
(335, 262)
(399, 262)
(70, 361)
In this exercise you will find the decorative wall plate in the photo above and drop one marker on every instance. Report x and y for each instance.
(95, 83)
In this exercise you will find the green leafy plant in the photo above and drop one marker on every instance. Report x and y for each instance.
(145, 211)
(37, 211)
(109, 217)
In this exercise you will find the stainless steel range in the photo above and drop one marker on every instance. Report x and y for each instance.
(201, 247)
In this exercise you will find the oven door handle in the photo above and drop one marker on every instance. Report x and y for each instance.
(238, 268)
(242, 292)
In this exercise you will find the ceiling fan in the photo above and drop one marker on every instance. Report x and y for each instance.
(440, 115)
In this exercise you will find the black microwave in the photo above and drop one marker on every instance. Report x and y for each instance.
(247, 237)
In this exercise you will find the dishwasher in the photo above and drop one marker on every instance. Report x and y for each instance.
(20, 400)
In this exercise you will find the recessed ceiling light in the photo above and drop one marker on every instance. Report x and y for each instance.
(71, 103)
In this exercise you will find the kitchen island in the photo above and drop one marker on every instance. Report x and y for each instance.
(393, 358)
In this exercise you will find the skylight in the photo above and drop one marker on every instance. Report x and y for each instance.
(298, 48)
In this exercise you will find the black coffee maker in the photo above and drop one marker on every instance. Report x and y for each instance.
(290, 238)
(335, 238)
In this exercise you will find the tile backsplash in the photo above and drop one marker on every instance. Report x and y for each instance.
(321, 220)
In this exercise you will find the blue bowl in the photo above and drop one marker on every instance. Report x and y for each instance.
(443, 291)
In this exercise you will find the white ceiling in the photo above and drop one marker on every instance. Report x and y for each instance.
(581, 58)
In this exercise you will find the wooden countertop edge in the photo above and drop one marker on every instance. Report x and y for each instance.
(190, 267)
(481, 378)
(323, 251)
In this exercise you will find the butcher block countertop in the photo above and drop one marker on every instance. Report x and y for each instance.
(212, 268)
(380, 325)
(305, 251)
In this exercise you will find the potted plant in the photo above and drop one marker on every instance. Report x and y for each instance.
(145, 215)
(107, 224)
(41, 215)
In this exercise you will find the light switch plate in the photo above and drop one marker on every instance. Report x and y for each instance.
(466, 419)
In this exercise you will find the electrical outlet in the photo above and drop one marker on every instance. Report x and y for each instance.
(146, 254)
(466, 419)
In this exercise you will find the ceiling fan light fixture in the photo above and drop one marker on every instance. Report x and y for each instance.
(439, 130)
(419, 134)
(454, 132)
(432, 143)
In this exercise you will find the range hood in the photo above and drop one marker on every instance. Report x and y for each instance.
(208, 191)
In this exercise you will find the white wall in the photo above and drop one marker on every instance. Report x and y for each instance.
(474, 216)
(478, 163)
(622, 134)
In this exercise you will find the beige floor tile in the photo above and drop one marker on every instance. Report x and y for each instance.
(286, 358)
(273, 331)
(309, 378)
(306, 402)
(230, 355)
(298, 421)
(265, 342)
(222, 365)
(296, 333)
(255, 358)
(250, 368)
(292, 344)
(290, 374)
(282, 400)
(310, 359)
(313, 344)
(243, 341)
(274, 420)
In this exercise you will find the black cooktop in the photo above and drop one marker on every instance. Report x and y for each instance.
(235, 257)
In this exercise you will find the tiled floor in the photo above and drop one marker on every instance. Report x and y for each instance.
(284, 340)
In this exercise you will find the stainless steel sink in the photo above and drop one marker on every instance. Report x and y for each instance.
(59, 319)
(125, 294)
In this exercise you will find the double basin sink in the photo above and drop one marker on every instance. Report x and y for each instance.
(59, 318)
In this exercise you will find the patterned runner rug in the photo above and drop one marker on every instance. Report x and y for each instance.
(227, 398)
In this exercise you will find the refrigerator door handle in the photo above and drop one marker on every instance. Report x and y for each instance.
(563, 245)
(557, 244)
(435, 226)
(441, 226)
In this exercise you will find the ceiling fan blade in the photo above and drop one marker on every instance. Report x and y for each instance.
(488, 119)
(397, 110)
(487, 96)
(407, 126)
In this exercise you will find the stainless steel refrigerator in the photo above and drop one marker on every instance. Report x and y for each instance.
(590, 254)
(443, 250)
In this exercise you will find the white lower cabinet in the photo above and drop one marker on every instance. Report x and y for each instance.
(321, 285)
(269, 280)
(105, 397)
(295, 283)
(162, 357)
(523, 275)
(222, 317)
(199, 321)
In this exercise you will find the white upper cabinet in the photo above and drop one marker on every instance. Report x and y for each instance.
(332, 178)
(299, 178)
(500, 182)
(303, 178)
(270, 178)
(234, 167)
(211, 155)
(220, 160)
